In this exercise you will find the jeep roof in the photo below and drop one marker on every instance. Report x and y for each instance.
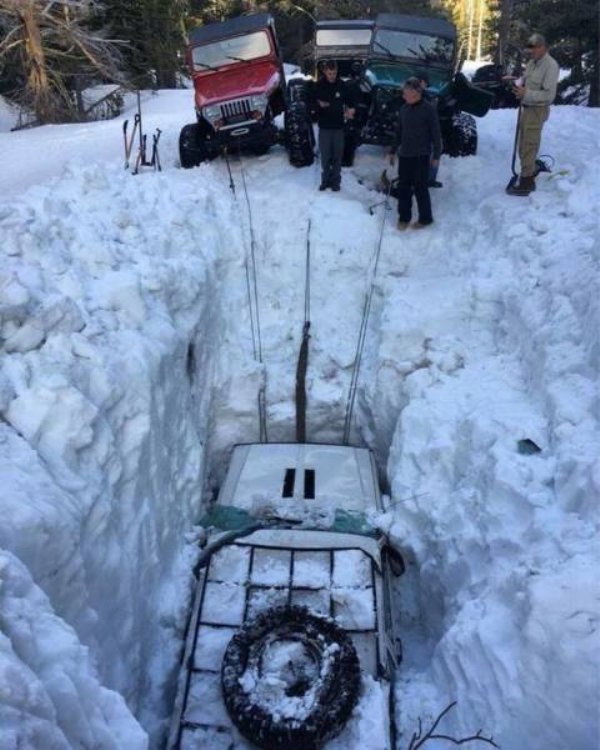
(342, 477)
(240, 25)
(340, 23)
(417, 24)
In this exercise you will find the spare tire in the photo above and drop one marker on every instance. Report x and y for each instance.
(290, 679)
(299, 135)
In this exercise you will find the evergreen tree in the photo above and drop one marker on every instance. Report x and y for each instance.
(152, 33)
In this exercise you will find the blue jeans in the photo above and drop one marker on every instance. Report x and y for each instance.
(331, 146)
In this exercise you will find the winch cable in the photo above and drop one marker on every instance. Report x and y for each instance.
(302, 365)
(252, 286)
(363, 325)
(231, 182)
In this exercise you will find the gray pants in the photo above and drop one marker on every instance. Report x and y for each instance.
(331, 146)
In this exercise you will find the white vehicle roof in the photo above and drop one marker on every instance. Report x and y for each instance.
(335, 476)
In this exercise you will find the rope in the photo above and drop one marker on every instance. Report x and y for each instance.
(302, 365)
(363, 326)
(231, 182)
(254, 297)
(252, 290)
(307, 276)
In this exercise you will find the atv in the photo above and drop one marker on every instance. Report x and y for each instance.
(398, 47)
(240, 89)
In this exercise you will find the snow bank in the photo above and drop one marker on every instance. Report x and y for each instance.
(108, 304)
(128, 369)
(50, 695)
(503, 540)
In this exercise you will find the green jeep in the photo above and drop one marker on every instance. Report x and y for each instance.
(377, 57)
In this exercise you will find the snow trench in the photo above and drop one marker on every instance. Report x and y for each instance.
(128, 372)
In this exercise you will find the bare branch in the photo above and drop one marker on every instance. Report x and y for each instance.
(418, 740)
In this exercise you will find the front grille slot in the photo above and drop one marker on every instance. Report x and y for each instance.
(238, 110)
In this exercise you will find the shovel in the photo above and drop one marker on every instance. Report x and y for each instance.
(513, 180)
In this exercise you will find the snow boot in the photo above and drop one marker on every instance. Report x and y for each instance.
(525, 186)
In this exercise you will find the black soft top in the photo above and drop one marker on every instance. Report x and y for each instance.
(339, 23)
(234, 26)
(422, 24)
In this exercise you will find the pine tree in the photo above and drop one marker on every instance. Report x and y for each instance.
(152, 33)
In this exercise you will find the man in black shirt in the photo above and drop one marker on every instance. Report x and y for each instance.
(333, 102)
(419, 145)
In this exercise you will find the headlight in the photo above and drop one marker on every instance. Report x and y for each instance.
(212, 112)
(259, 102)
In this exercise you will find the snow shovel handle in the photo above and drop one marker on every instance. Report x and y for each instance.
(514, 153)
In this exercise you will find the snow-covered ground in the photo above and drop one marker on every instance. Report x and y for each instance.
(128, 372)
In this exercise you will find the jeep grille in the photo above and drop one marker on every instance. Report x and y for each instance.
(236, 111)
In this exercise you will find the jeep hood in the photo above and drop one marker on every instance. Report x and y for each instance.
(245, 79)
(394, 74)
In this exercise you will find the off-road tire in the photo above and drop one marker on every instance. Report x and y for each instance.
(299, 135)
(460, 138)
(192, 150)
(336, 687)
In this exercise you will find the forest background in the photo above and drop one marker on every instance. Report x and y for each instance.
(53, 51)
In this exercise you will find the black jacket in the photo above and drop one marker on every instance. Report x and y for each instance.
(418, 131)
(338, 95)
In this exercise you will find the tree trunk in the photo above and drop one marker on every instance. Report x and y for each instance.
(506, 7)
(38, 81)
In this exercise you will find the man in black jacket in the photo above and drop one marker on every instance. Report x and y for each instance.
(419, 145)
(333, 102)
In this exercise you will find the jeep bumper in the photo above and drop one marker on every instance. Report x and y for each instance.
(250, 134)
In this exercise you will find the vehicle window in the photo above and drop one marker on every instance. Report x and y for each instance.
(343, 37)
(421, 47)
(226, 51)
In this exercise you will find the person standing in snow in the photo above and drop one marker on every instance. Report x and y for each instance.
(333, 102)
(536, 93)
(433, 170)
(418, 143)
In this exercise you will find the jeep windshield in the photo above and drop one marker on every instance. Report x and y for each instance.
(343, 37)
(235, 49)
(408, 45)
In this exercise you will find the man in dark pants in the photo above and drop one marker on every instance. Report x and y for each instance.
(333, 102)
(419, 145)
(433, 171)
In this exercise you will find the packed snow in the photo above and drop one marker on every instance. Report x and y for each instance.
(128, 372)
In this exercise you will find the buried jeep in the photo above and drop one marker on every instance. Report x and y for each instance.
(239, 90)
(399, 47)
(290, 641)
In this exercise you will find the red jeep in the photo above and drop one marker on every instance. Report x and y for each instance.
(239, 89)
